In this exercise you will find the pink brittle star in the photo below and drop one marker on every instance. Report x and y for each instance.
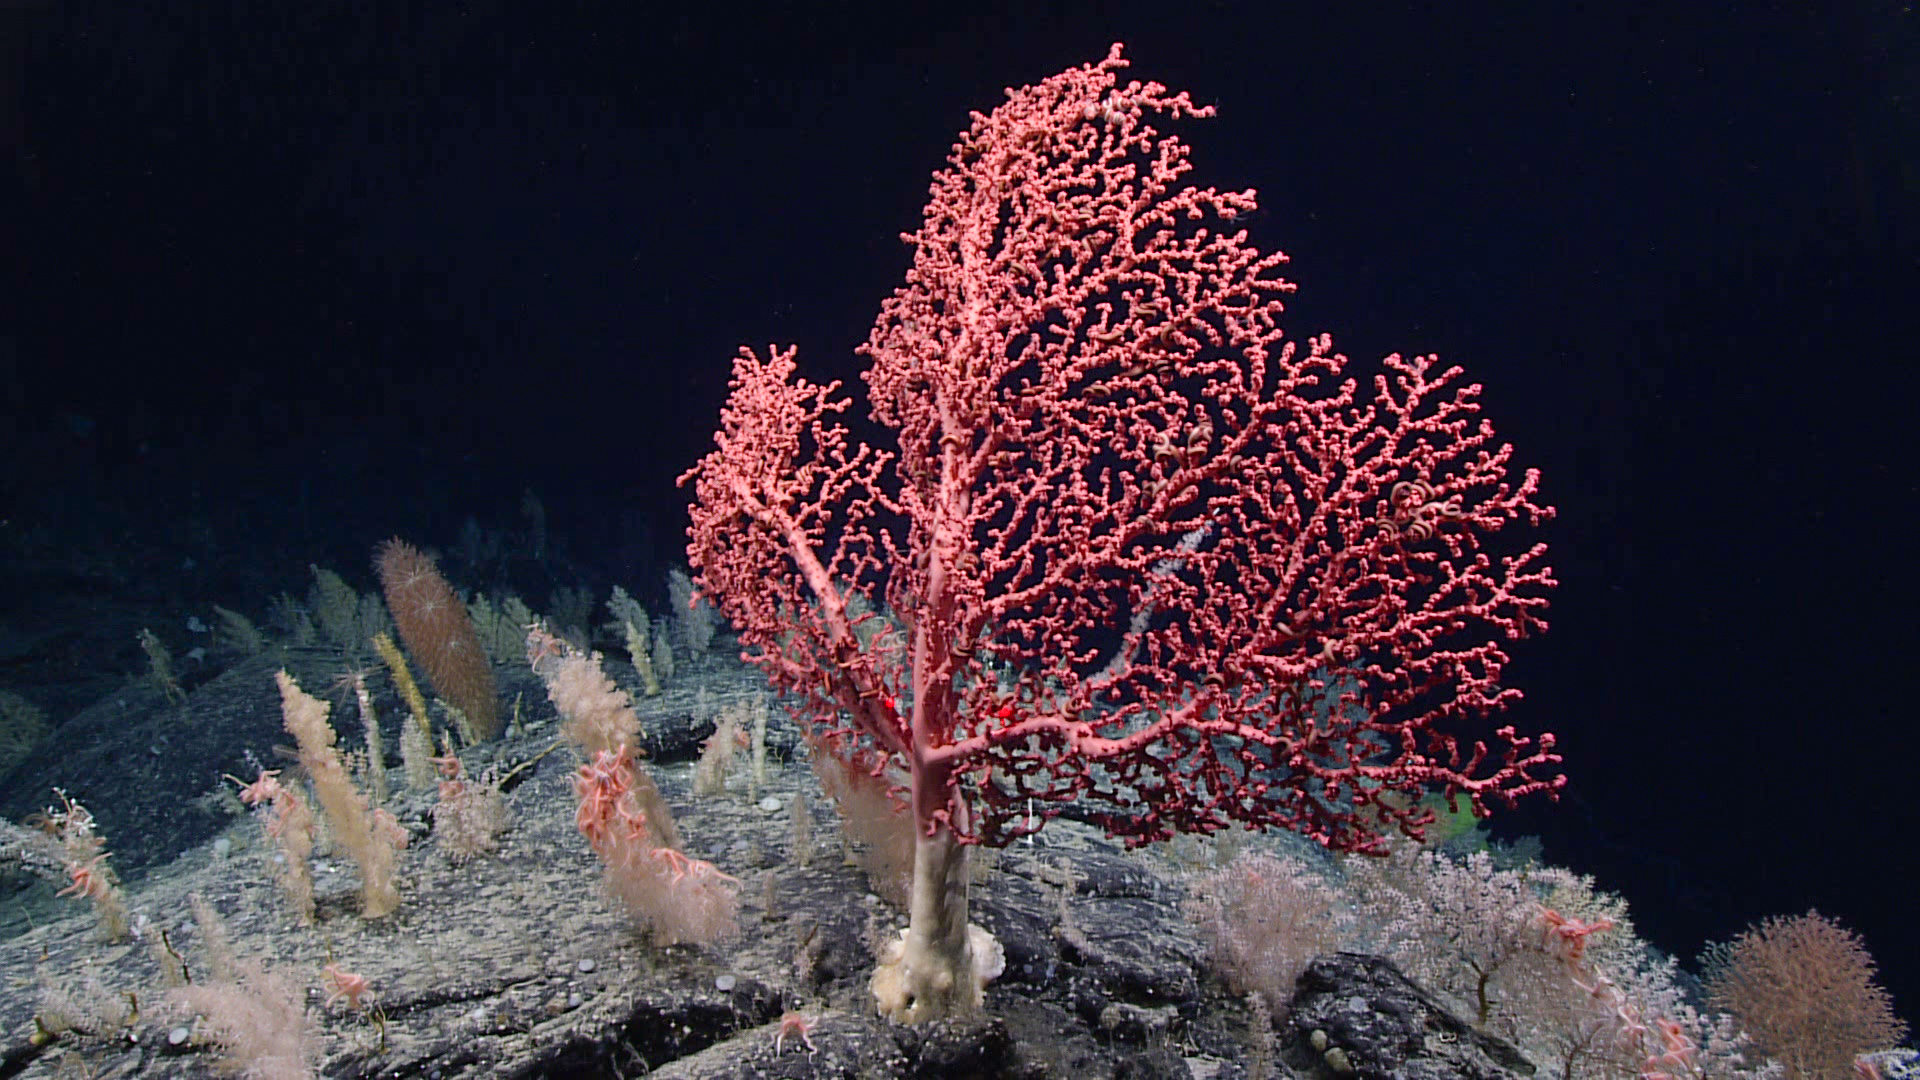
(89, 880)
(343, 985)
(794, 1025)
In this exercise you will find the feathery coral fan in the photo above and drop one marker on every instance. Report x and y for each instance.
(621, 813)
(1803, 987)
(438, 631)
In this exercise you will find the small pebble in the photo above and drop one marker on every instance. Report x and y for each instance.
(574, 999)
(724, 982)
(586, 965)
(770, 804)
(178, 1036)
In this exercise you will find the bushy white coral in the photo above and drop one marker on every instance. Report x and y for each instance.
(1481, 936)
(1264, 920)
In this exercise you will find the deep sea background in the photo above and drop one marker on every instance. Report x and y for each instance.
(283, 280)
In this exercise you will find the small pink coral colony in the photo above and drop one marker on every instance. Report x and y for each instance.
(1132, 548)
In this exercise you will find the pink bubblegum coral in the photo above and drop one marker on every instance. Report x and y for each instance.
(1140, 553)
